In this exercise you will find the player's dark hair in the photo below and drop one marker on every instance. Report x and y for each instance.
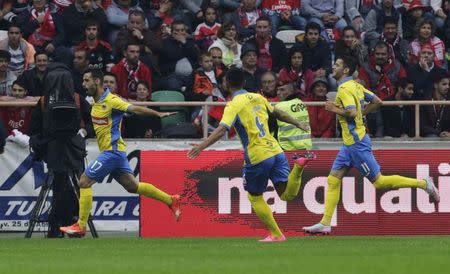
(349, 62)
(235, 78)
(96, 74)
(263, 18)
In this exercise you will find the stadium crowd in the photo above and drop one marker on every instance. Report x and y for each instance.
(169, 50)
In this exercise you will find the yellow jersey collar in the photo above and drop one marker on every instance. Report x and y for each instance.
(346, 79)
(238, 92)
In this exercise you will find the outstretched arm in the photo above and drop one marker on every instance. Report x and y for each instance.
(283, 116)
(143, 111)
(214, 137)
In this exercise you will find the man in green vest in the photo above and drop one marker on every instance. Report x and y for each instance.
(290, 137)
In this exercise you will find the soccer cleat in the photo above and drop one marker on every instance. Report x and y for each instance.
(432, 190)
(176, 206)
(318, 229)
(302, 159)
(271, 238)
(74, 230)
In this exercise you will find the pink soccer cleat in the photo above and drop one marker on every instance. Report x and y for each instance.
(74, 230)
(272, 238)
(176, 207)
(302, 159)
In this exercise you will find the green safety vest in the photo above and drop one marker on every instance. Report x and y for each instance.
(291, 137)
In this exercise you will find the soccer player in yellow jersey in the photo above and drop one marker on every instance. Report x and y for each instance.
(350, 106)
(107, 113)
(264, 158)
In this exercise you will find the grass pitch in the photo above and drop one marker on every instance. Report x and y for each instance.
(362, 255)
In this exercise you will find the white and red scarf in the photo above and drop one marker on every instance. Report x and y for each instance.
(47, 29)
(132, 75)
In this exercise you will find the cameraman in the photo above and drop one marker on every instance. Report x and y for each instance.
(63, 153)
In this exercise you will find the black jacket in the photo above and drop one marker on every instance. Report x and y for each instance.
(31, 82)
(173, 51)
(2, 136)
(277, 50)
(317, 57)
(423, 80)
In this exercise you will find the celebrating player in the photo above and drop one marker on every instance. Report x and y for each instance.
(107, 113)
(264, 158)
(357, 149)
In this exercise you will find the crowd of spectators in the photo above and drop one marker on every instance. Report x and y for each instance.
(185, 46)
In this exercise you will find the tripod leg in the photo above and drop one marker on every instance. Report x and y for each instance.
(40, 202)
(90, 223)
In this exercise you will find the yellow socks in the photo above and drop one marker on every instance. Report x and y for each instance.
(85, 206)
(331, 199)
(293, 184)
(149, 190)
(396, 181)
(264, 213)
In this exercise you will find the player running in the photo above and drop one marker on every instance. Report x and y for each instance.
(357, 148)
(107, 113)
(264, 158)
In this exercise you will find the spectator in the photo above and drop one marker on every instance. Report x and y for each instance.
(425, 30)
(269, 82)
(22, 53)
(413, 13)
(17, 117)
(99, 51)
(438, 9)
(423, 73)
(129, 71)
(326, 13)
(10, 9)
(33, 79)
(80, 65)
(323, 123)
(356, 11)
(117, 15)
(351, 45)
(42, 26)
(161, 16)
(205, 78)
(285, 12)
(134, 31)
(296, 74)
(178, 58)
(206, 33)
(228, 42)
(272, 54)
(110, 81)
(136, 126)
(216, 55)
(195, 8)
(289, 137)
(316, 53)
(380, 74)
(374, 22)
(252, 73)
(245, 18)
(435, 119)
(7, 77)
(74, 19)
(399, 46)
(399, 119)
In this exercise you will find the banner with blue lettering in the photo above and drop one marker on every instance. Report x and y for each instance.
(21, 178)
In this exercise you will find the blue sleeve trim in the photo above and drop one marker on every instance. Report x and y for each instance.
(350, 107)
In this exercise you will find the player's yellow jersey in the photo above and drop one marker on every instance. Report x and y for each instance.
(249, 113)
(107, 116)
(350, 95)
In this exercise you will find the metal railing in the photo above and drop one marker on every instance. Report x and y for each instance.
(206, 105)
